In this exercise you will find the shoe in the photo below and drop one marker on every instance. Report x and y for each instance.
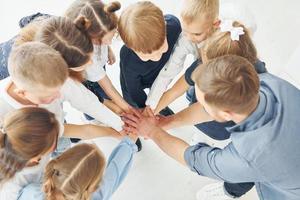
(139, 144)
(166, 112)
(75, 140)
(215, 191)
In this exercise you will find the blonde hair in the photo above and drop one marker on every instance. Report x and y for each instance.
(220, 44)
(26, 134)
(195, 9)
(35, 63)
(142, 27)
(75, 175)
(27, 34)
(94, 16)
(228, 82)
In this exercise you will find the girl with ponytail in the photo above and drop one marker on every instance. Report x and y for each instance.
(81, 173)
(27, 136)
(99, 21)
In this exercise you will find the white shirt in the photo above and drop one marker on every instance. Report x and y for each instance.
(95, 71)
(173, 67)
(229, 9)
(80, 98)
(10, 189)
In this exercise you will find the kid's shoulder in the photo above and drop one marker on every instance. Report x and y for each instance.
(173, 23)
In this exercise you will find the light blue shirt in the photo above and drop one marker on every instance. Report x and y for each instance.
(118, 166)
(264, 147)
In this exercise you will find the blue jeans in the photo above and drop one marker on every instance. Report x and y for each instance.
(5, 49)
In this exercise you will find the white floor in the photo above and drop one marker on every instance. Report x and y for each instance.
(154, 175)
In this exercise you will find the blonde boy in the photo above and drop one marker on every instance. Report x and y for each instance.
(199, 19)
(39, 76)
(149, 38)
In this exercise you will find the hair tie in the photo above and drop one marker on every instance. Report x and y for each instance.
(235, 32)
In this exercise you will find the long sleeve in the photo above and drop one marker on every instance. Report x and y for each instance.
(131, 82)
(226, 165)
(13, 189)
(173, 67)
(118, 166)
(86, 102)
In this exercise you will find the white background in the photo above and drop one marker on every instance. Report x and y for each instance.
(154, 175)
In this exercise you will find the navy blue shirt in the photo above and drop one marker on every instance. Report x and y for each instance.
(136, 75)
(259, 68)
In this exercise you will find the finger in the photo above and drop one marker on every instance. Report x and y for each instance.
(150, 112)
(123, 132)
(130, 117)
(130, 130)
(130, 123)
(135, 112)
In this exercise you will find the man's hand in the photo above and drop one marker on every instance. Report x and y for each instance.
(164, 121)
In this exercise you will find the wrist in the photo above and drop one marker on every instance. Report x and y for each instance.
(171, 122)
(155, 133)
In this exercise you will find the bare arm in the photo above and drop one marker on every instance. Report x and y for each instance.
(173, 93)
(111, 91)
(191, 115)
(172, 146)
(89, 131)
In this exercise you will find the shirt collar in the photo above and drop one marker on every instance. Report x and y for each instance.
(259, 116)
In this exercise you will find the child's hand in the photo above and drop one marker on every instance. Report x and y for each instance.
(138, 124)
(111, 57)
(145, 113)
(132, 136)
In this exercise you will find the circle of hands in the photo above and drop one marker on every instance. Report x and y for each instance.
(143, 122)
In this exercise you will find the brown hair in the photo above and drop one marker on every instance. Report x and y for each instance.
(35, 63)
(27, 133)
(142, 27)
(61, 34)
(75, 174)
(220, 44)
(195, 9)
(228, 82)
(94, 16)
